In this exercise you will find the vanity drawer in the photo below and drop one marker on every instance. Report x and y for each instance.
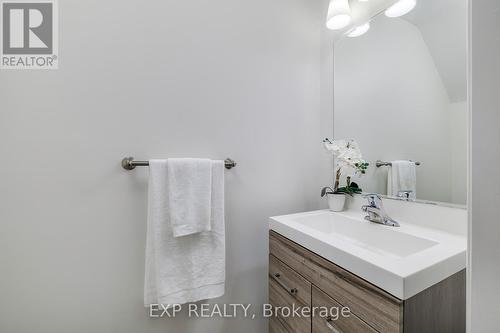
(373, 305)
(288, 289)
(298, 288)
(275, 326)
(351, 324)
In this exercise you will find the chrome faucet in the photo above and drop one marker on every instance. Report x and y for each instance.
(376, 211)
(405, 195)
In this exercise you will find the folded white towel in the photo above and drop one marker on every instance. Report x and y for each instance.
(189, 268)
(189, 192)
(402, 180)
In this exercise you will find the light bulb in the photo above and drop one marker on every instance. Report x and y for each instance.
(339, 14)
(360, 30)
(400, 8)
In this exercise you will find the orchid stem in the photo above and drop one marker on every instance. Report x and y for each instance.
(337, 181)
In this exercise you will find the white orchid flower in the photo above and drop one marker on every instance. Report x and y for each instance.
(348, 159)
(346, 152)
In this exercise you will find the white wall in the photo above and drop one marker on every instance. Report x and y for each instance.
(236, 79)
(458, 138)
(389, 96)
(484, 232)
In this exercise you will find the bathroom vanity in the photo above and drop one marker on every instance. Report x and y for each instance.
(407, 279)
(400, 97)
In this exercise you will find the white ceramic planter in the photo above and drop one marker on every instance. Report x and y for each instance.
(336, 202)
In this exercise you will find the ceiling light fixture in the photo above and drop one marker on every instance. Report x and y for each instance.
(360, 30)
(339, 14)
(400, 8)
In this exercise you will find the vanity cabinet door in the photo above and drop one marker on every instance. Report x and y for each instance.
(287, 289)
(337, 323)
(379, 309)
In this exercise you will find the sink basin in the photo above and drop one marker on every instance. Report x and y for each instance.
(403, 261)
(382, 240)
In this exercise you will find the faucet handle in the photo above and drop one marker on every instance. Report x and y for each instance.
(372, 195)
(374, 199)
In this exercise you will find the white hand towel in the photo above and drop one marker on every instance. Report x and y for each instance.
(402, 177)
(189, 268)
(189, 192)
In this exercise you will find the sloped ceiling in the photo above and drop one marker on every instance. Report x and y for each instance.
(443, 24)
(443, 27)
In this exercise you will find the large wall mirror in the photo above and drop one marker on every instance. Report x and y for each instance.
(400, 92)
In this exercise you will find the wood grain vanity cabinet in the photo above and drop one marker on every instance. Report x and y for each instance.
(302, 278)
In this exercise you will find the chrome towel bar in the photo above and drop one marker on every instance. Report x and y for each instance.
(128, 163)
(380, 163)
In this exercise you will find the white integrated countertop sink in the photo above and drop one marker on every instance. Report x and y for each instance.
(401, 260)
